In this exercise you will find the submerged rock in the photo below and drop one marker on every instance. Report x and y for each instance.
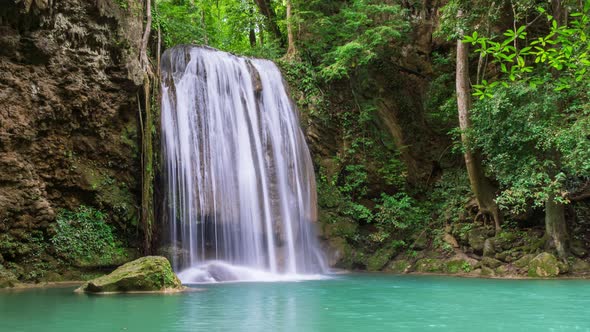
(544, 265)
(147, 274)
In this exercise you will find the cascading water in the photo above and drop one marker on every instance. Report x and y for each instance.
(241, 196)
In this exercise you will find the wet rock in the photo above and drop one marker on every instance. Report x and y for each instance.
(147, 274)
(543, 265)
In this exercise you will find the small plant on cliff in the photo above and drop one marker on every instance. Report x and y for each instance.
(84, 235)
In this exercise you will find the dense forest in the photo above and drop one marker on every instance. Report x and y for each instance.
(446, 136)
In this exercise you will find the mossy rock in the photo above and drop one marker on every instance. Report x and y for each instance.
(379, 259)
(580, 266)
(506, 240)
(487, 272)
(489, 249)
(399, 266)
(544, 265)
(7, 278)
(147, 274)
(578, 248)
(458, 266)
(490, 262)
(429, 265)
(477, 238)
(524, 261)
(501, 270)
(334, 225)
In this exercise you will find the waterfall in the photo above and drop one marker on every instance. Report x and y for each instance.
(240, 185)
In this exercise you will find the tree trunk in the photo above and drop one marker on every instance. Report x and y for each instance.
(252, 33)
(291, 49)
(555, 226)
(266, 9)
(481, 186)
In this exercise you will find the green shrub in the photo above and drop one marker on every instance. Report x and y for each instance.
(400, 211)
(84, 235)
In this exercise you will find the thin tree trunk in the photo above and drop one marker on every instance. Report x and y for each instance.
(483, 190)
(252, 34)
(291, 49)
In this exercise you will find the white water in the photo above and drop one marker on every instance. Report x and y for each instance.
(240, 185)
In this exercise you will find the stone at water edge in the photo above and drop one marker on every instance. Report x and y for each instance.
(147, 274)
(543, 266)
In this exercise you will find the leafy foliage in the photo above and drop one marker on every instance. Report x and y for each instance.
(84, 235)
(531, 146)
(360, 32)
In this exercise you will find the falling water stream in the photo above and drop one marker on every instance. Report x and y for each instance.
(240, 185)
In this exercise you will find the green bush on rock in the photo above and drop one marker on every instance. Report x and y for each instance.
(147, 274)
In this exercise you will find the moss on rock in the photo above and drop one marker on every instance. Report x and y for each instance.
(457, 266)
(147, 274)
(544, 265)
(379, 259)
(399, 266)
(429, 265)
(490, 262)
(524, 261)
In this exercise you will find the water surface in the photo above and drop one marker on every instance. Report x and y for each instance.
(343, 303)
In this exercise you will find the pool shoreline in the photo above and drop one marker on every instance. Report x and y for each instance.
(77, 283)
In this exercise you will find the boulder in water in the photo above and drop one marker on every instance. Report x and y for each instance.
(147, 274)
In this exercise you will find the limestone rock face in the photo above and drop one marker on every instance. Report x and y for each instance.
(544, 265)
(147, 274)
(68, 115)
